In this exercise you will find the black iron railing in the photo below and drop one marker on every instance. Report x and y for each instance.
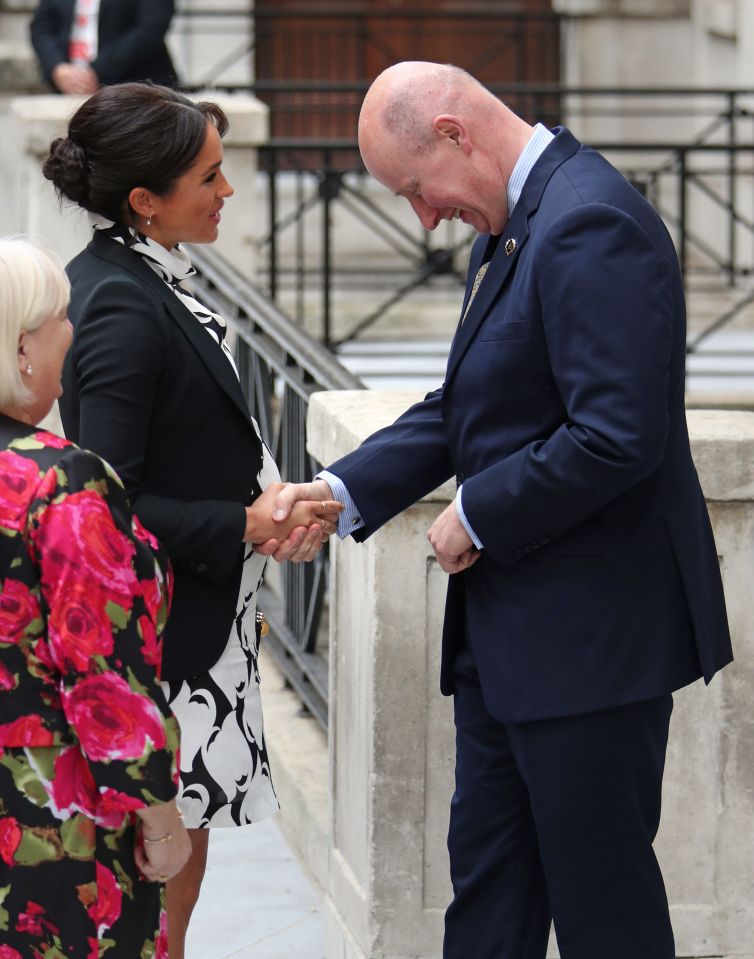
(701, 181)
(280, 367)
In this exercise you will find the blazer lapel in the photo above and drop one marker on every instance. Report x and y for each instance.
(508, 248)
(209, 352)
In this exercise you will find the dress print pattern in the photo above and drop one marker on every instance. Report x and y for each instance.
(224, 772)
(86, 736)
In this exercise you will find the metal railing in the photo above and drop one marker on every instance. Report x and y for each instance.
(700, 178)
(280, 367)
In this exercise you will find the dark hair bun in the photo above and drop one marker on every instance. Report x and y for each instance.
(68, 169)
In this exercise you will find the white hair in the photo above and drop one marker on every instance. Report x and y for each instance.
(33, 287)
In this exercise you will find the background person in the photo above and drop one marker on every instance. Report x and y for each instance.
(88, 745)
(83, 44)
(586, 584)
(152, 386)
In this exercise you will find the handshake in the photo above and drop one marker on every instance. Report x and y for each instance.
(292, 521)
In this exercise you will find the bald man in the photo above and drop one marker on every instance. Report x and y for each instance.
(584, 583)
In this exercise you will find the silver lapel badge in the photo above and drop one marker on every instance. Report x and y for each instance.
(510, 246)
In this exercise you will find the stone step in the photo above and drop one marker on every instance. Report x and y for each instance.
(722, 364)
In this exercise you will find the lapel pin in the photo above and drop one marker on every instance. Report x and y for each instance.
(510, 246)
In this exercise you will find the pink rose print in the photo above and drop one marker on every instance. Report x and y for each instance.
(52, 440)
(112, 721)
(33, 923)
(161, 943)
(106, 908)
(18, 607)
(19, 477)
(26, 731)
(151, 648)
(79, 627)
(79, 533)
(7, 680)
(142, 533)
(112, 806)
(73, 788)
(10, 837)
(8, 952)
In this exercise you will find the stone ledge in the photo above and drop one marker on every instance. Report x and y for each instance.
(722, 441)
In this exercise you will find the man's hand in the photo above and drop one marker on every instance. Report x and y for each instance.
(75, 78)
(302, 544)
(454, 549)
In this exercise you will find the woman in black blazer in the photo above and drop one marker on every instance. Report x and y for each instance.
(151, 386)
(130, 44)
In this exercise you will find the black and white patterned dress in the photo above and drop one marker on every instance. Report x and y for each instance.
(224, 768)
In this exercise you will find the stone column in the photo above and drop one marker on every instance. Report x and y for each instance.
(39, 119)
(391, 732)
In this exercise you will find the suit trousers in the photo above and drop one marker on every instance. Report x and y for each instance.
(554, 820)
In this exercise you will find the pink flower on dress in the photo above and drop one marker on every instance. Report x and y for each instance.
(18, 608)
(161, 942)
(52, 440)
(10, 838)
(113, 806)
(19, 477)
(78, 540)
(79, 627)
(106, 908)
(73, 788)
(112, 721)
(7, 680)
(8, 952)
(151, 648)
(142, 533)
(25, 731)
(33, 921)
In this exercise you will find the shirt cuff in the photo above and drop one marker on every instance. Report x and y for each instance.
(466, 524)
(349, 520)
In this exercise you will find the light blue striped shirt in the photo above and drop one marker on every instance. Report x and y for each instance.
(350, 520)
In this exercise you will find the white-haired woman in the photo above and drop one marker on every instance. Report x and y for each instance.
(88, 744)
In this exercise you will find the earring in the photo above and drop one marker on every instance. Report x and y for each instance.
(149, 221)
(28, 369)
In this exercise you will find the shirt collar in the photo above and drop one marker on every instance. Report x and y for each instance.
(538, 143)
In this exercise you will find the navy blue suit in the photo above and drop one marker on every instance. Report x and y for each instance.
(562, 414)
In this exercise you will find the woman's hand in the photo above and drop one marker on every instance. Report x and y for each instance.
(310, 520)
(163, 845)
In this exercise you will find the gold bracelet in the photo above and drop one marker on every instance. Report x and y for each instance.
(155, 842)
(167, 837)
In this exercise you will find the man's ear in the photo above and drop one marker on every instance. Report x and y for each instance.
(451, 128)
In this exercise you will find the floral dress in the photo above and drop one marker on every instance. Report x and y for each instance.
(86, 736)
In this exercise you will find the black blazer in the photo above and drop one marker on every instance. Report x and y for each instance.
(562, 413)
(147, 388)
(131, 39)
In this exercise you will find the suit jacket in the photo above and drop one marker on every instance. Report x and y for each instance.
(562, 413)
(147, 388)
(131, 39)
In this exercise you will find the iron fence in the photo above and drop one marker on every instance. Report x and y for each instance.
(700, 178)
(280, 367)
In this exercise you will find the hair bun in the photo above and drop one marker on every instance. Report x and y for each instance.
(68, 169)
